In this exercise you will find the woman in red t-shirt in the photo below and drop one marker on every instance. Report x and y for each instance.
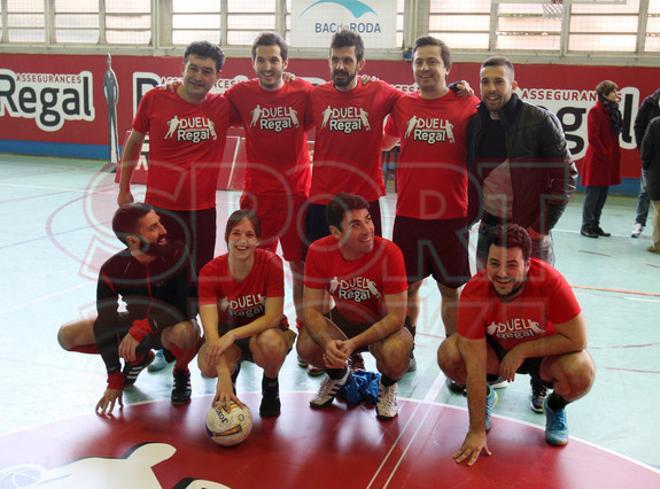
(241, 298)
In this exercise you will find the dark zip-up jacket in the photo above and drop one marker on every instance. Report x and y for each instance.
(543, 175)
(648, 110)
(650, 153)
(157, 295)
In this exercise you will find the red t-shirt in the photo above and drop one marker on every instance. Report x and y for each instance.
(545, 300)
(349, 136)
(431, 173)
(186, 143)
(240, 303)
(274, 122)
(358, 287)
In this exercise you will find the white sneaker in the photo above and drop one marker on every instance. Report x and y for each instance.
(387, 407)
(328, 391)
(499, 383)
(637, 230)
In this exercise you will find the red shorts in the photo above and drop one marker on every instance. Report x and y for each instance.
(437, 247)
(282, 221)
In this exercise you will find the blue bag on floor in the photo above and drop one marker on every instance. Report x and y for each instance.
(360, 387)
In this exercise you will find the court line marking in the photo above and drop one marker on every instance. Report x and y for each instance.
(616, 291)
(432, 393)
(50, 296)
(413, 401)
(633, 370)
(405, 450)
(394, 444)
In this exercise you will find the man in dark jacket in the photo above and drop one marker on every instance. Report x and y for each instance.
(520, 169)
(649, 109)
(651, 166)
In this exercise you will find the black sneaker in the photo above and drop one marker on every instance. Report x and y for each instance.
(455, 387)
(588, 232)
(181, 389)
(600, 232)
(539, 393)
(132, 370)
(270, 400)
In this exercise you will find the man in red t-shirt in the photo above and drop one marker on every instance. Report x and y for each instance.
(278, 173)
(348, 118)
(431, 211)
(187, 134)
(519, 315)
(365, 276)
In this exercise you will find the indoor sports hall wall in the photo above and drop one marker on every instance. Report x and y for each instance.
(54, 104)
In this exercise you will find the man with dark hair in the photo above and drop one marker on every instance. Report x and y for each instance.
(348, 117)
(431, 211)
(275, 117)
(520, 169)
(648, 110)
(151, 276)
(187, 134)
(365, 276)
(650, 153)
(519, 315)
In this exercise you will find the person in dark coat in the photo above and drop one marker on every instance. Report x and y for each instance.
(601, 164)
(650, 154)
(648, 110)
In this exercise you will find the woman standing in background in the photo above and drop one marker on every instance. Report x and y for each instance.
(601, 164)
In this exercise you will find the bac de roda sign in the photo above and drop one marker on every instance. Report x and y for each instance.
(313, 22)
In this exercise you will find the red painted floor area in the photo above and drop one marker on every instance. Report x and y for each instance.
(334, 447)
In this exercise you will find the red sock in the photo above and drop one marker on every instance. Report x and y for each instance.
(299, 325)
(91, 348)
(184, 357)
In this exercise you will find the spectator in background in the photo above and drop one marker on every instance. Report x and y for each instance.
(601, 164)
(649, 109)
(650, 153)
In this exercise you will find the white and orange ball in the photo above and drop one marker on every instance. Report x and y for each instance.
(228, 425)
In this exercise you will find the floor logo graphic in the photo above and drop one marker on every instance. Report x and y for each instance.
(355, 7)
(134, 470)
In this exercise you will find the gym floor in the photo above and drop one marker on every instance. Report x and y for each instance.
(56, 216)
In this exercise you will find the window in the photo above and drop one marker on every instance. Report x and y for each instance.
(128, 22)
(604, 26)
(196, 21)
(26, 21)
(461, 24)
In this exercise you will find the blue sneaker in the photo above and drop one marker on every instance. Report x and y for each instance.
(159, 363)
(556, 426)
(491, 401)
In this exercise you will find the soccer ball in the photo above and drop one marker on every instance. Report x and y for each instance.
(228, 425)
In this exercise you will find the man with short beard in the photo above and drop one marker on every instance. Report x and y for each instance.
(519, 315)
(151, 276)
(348, 117)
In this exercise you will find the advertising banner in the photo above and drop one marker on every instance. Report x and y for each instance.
(313, 22)
(60, 105)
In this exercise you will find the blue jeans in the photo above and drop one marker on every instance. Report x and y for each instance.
(642, 201)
